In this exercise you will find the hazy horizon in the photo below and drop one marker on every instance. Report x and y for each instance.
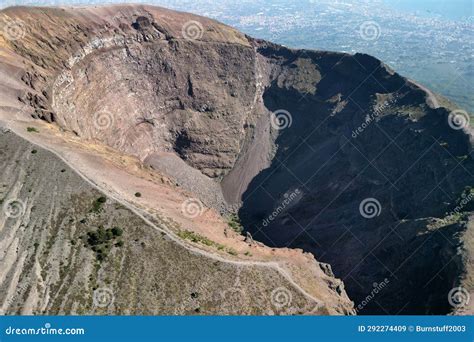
(428, 41)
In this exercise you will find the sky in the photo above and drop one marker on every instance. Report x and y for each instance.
(452, 9)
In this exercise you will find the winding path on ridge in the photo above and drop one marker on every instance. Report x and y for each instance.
(140, 213)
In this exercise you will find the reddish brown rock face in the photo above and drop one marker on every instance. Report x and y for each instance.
(246, 125)
(171, 105)
(150, 109)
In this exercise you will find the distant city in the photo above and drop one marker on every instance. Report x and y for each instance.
(428, 41)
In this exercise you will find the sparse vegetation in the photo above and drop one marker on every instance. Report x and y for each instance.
(116, 231)
(234, 223)
(102, 199)
(34, 151)
(193, 237)
(97, 204)
(231, 251)
(32, 129)
(101, 241)
(137, 194)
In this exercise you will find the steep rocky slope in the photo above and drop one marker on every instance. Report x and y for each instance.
(296, 142)
(76, 246)
(407, 162)
(51, 265)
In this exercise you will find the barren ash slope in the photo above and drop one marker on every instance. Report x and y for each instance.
(162, 124)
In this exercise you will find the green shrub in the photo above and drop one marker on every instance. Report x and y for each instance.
(97, 204)
(234, 223)
(32, 129)
(116, 231)
(101, 241)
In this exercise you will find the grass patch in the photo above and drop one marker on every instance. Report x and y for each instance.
(231, 251)
(197, 238)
